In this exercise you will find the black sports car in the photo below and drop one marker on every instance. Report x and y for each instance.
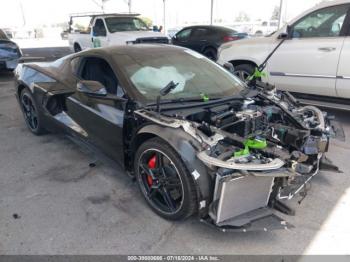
(9, 53)
(196, 138)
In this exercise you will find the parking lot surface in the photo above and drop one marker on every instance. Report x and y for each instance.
(53, 202)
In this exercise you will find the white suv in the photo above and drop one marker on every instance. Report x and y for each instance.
(314, 60)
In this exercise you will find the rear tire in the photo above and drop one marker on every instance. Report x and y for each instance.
(171, 183)
(211, 53)
(77, 48)
(31, 113)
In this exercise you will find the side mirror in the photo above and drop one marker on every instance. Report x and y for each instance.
(283, 36)
(91, 88)
(173, 39)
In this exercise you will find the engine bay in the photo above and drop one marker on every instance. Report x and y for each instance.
(267, 130)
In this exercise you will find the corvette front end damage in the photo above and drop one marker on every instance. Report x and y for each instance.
(257, 151)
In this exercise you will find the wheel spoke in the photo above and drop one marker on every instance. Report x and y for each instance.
(32, 124)
(167, 199)
(25, 104)
(241, 75)
(147, 170)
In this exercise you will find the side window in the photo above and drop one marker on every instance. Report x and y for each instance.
(326, 22)
(184, 35)
(99, 28)
(97, 69)
(200, 33)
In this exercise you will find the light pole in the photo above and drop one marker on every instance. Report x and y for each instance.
(129, 5)
(280, 15)
(211, 11)
(164, 15)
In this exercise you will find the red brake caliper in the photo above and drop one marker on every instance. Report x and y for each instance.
(151, 165)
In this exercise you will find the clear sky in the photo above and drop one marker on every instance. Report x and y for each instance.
(39, 12)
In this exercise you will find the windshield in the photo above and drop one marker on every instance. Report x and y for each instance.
(194, 75)
(120, 24)
(3, 36)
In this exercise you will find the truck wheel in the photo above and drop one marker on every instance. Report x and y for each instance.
(164, 181)
(77, 48)
(243, 71)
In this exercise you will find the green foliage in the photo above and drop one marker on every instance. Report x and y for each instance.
(148, 21)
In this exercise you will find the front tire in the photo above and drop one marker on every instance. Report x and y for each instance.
(31, 113)
(164, 181)
(244, 71)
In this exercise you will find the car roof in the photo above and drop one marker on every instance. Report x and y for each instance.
(216, 27)
(137, 49)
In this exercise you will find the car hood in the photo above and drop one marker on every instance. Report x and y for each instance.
(263, 42)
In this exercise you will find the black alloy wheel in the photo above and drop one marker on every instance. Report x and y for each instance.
(31, 113)
(163, 180)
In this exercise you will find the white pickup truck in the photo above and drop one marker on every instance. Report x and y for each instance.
(101, 30)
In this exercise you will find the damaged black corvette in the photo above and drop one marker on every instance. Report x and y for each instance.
(196, 139)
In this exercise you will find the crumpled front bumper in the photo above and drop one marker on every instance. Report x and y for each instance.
(240, 204)
(242, 200)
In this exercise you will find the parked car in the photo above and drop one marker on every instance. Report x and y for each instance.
(10, 53)
(206, 39)
(313, 62)
(104, 30)
(195, 139)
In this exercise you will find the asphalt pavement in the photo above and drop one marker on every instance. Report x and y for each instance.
(53, 202)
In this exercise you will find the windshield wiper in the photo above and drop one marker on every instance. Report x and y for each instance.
(164, 91)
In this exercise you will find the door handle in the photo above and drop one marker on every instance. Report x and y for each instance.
(327, 49)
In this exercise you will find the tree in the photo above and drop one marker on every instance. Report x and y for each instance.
(275, 13)
(242, 17)
(148, 21)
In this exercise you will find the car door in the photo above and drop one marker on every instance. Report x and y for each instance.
(343, 74)
(307, 62)
(99, 34)
(102, 118)
(182, 38)
(199, 39)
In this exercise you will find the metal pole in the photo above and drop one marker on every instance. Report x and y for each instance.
(280, 15)
(23, 15)
(164, 16)
(129, 4)
(211, 11)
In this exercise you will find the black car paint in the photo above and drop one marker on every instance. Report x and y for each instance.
(213, 40)
(108, 123)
